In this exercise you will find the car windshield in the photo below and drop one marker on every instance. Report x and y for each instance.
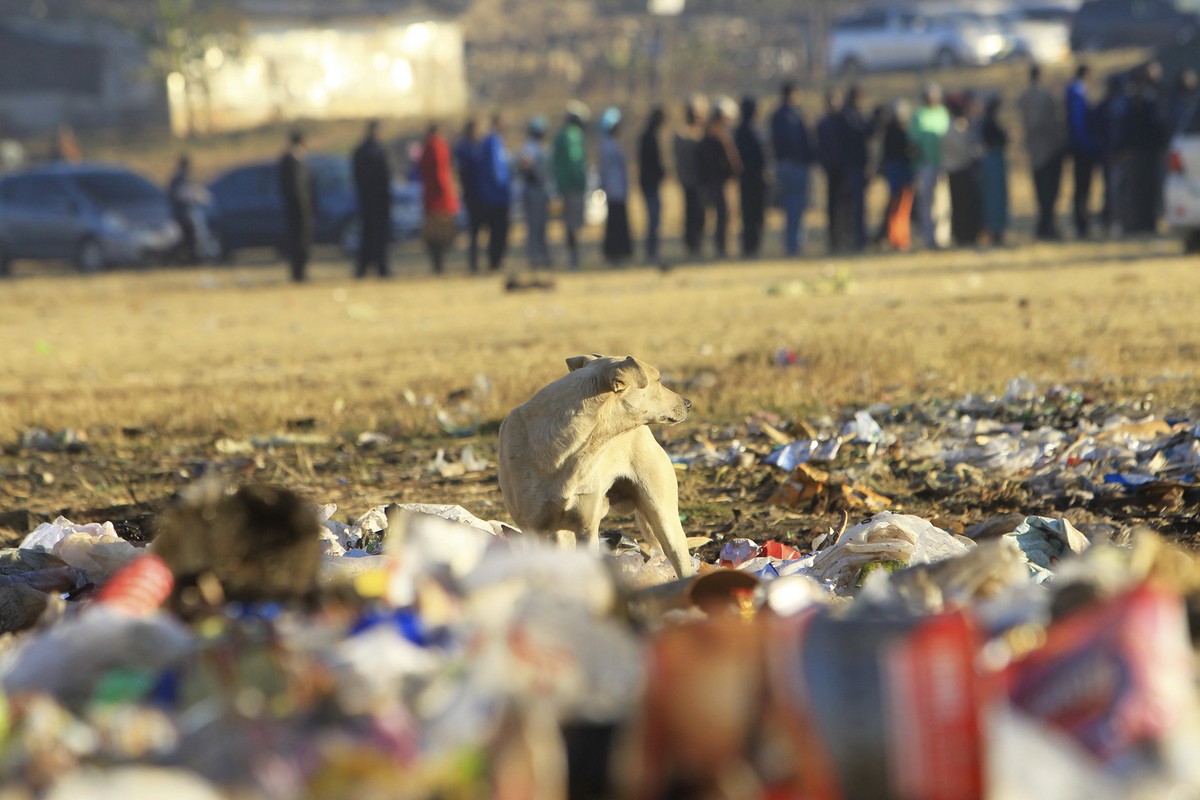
(116, 188)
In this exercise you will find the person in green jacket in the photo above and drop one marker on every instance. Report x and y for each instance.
(569, 163)
(926, 131)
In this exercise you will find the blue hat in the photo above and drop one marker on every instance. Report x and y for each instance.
(610, 118)
(538, 125)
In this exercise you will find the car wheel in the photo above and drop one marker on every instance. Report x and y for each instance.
(5, 263)
(89, 258)
(350, 236)
(1191, 242)
(851, 67)
(946, 57)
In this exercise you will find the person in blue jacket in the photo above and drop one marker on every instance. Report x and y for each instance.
(495, 190)
(1081, 141)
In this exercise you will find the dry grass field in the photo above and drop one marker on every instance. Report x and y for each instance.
(156, 368)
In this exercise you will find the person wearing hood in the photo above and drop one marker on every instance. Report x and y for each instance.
(651, 173)
(614, 180)
(569, 165)
(534, 171)
(753, 181)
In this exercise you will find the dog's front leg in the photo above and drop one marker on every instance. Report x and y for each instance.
(657, 503)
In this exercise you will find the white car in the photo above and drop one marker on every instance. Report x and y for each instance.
(1181, 192)
(900, 37)
(1042, 33)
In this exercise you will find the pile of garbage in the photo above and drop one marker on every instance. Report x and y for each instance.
(1062, 448)
(262, 647)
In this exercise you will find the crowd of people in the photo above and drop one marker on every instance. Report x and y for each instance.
(944, 161)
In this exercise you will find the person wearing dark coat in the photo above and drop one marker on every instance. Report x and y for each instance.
(753, 181)
(717, 163)
(373, 189)
(831, 155)
(299, 209)
(651, 174)
(855, 133)
(467, 160)
(1142, 138)
(793, 157)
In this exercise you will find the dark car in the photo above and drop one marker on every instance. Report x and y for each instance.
(1105, 24)
(95, 215)
(247, 211)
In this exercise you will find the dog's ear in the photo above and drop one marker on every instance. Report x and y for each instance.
(626, 374)
(579, 362)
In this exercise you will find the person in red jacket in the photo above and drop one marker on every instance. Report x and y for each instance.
(440, 201)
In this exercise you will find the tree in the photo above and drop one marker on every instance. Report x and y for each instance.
(189, 39)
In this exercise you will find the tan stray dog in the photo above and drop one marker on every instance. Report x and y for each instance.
(581, 444)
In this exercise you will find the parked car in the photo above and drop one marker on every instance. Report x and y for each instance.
(900, 37)
(247, 209)
(1041, 33)
(1181, 192)
(1106, 24)
(95, 215)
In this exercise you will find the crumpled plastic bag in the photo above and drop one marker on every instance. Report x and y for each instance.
(94, 548)
(69, 659)
(898, 539)
(132, 782)
(1044, 540)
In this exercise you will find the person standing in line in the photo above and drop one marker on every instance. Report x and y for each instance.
(717, 163)
(614, 180)
(752, 184)
(373, 189)
(1084, 152)
(466, 157)
(856, 132)
(570, 175)
(534, 172)
(1143, 137)
(831, 153)
(1044, 129)
(896, 168)
(1110, 117)
(928, 129)
(793, 160)
(182, 192)
(495, 185)
(994, 172)
(299, 209)
(960, 160)
(440, 204)
(687, 169)
(651, 173)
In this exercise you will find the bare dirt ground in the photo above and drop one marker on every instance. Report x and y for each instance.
(146, 379)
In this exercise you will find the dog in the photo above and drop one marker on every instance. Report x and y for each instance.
(581, 445)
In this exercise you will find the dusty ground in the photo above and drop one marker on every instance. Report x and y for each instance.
(165, 375)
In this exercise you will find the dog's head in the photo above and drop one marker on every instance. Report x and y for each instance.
(636, 385)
